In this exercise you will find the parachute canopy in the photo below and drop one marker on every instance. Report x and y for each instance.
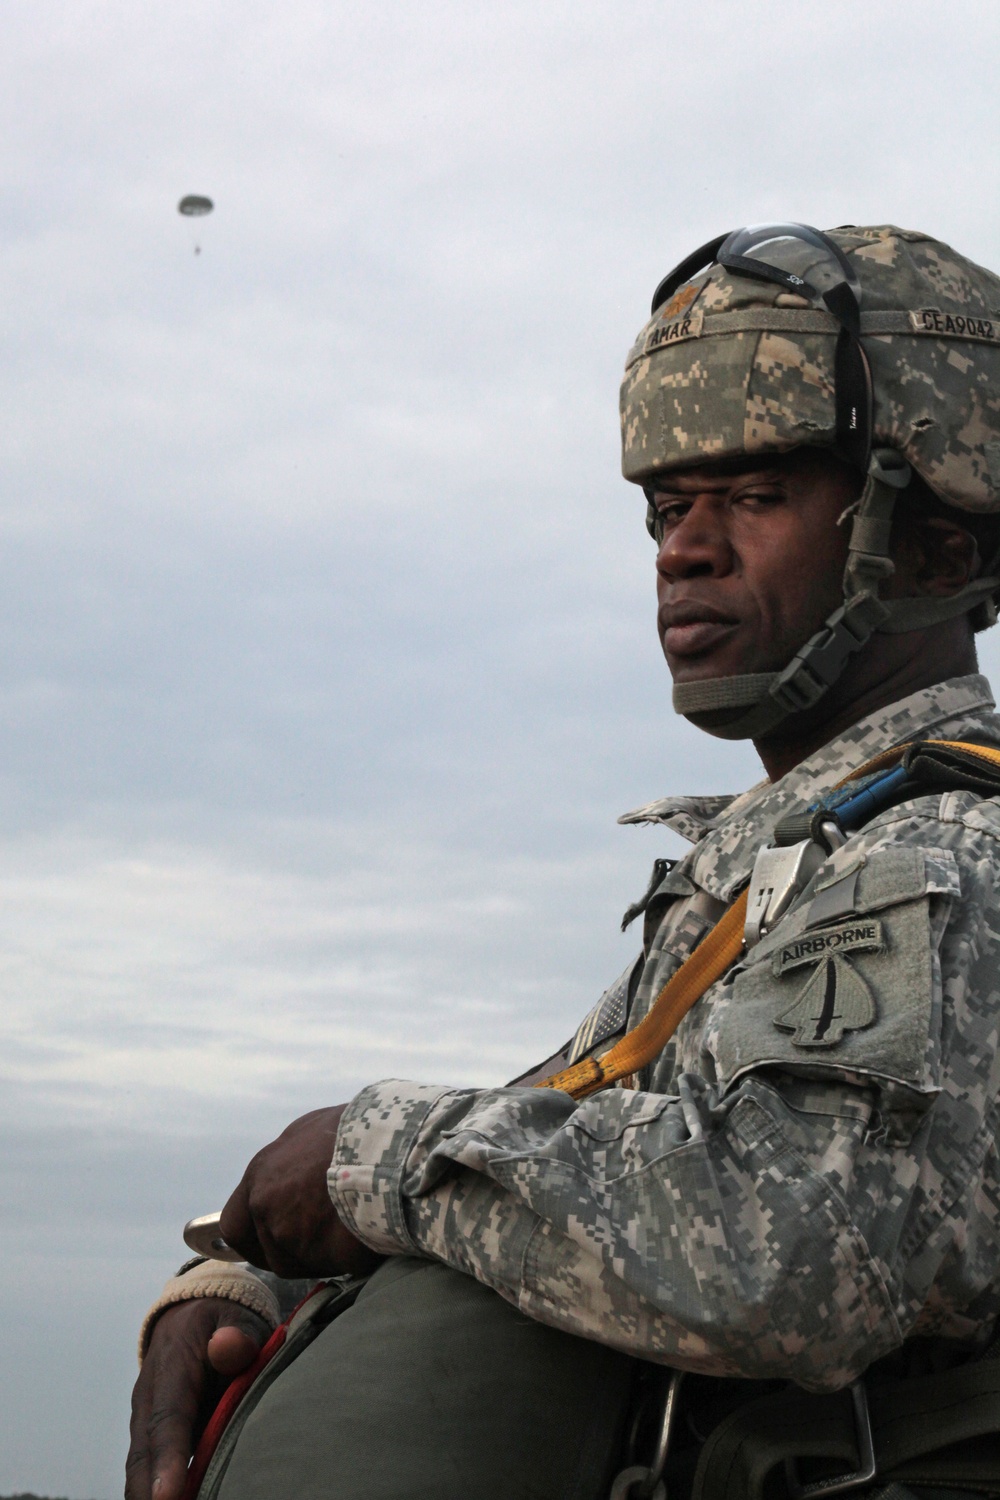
(194, 206)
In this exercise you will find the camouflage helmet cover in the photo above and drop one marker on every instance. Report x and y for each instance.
(732, 366)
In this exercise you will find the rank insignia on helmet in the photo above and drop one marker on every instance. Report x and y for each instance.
(680, 301)
(835, 999)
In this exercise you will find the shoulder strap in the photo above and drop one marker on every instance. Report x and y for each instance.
(709, 961)
(948, 764)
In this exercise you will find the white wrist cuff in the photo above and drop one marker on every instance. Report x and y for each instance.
(213, 1278)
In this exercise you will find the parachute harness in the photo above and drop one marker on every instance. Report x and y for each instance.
(893, 776)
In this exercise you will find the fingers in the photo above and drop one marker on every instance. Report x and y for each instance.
(231, 1351)
(138, 1480)
(281, 1216)
(164, 1407)
(237, 1226)
(178, 1386)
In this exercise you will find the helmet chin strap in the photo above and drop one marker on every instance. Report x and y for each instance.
(751, 705)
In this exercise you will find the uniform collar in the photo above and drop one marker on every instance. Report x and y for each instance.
(728, 831)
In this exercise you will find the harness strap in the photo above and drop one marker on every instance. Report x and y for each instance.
(241, 1397)
(722, 946)
(709, 961)
(925, 1431)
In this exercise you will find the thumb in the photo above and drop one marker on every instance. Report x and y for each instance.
(231, 1351)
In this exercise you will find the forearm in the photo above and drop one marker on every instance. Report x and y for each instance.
(679, 1229)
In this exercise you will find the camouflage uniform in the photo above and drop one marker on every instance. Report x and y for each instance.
(768, 1200)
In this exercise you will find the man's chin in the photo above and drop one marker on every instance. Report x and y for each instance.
(686, 669)
(726, 715)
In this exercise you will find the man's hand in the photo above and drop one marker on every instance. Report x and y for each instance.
(281, 1217)
(195, 1351)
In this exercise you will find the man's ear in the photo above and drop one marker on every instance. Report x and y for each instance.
(937, 557)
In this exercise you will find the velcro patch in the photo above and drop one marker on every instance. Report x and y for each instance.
(835, 1000)
(863, 935)
(955, 325)
(686, 327)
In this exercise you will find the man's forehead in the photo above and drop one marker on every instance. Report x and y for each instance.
(796, 461)
(763, 464)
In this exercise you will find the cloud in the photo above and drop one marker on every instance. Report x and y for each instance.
(327, 646)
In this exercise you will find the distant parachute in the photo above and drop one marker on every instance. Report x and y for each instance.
(195, 206)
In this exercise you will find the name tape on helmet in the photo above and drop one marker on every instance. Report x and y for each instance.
(688, 326)
(955, 325)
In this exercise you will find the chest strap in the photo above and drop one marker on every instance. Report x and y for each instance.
(929, 764)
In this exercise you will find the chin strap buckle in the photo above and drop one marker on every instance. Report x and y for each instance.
(823, 657)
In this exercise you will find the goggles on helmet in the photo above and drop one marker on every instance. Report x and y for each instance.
(806, 263)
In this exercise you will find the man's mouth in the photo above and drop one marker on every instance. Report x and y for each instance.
(689, 628)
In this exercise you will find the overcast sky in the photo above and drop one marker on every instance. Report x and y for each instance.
(327, 651)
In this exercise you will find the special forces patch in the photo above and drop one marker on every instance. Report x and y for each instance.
(834, 999)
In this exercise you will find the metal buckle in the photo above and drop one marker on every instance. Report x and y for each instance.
(839, 1484)
(645, 1482)
(778, 877)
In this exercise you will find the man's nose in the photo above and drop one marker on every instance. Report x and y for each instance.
(699, 544)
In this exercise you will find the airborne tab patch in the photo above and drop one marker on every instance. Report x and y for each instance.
(835, 999)
(955, 325)
(862, 935)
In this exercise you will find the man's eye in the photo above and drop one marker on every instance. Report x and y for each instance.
(669, 513)
(762, 496)
(663, 517)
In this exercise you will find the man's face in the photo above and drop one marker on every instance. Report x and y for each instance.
(751, 560)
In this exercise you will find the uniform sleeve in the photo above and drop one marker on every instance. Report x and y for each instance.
(790, 1210)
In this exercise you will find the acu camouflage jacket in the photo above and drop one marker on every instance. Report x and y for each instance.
(772, 1197)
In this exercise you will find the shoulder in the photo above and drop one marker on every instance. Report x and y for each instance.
(954, 835)
(851, 983)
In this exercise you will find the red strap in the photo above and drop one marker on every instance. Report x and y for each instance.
(231, 1398)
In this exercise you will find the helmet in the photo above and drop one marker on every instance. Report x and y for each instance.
(878, 343)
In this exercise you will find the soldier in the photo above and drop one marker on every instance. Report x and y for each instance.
(768, 1157)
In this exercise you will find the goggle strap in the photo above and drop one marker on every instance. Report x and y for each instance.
(919, 613)
(694, 263)
(845, 307)
(853, 389)
(759, 270)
